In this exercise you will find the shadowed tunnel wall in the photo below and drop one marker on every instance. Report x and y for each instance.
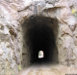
(40, 33)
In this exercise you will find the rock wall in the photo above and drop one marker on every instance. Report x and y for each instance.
(14, 12)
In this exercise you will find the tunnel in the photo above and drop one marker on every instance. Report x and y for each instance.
(39, 35)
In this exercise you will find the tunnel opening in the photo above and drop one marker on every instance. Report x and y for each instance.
(40, 36)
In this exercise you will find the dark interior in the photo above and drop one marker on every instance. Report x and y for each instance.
(40, 36)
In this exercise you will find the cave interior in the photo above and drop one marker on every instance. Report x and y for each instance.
(39, 34)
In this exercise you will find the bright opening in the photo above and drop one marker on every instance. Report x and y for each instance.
(40, 54)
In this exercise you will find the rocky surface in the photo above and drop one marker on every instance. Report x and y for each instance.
(50, 70)
(12, 15)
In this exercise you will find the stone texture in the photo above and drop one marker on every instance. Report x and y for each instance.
(12, 15)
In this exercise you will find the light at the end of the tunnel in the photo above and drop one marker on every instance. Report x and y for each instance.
(41, 54)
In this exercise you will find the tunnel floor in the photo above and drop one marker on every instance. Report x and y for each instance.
(40, 36)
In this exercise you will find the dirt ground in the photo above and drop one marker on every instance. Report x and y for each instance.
(50, 70)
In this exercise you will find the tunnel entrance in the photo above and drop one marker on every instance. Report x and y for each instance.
(39, 35)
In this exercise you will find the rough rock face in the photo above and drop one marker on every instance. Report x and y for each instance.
(12, 15)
